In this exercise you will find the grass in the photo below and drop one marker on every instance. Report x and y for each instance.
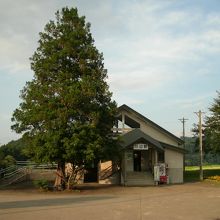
(192, 172)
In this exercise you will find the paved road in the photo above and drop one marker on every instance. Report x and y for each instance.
(189, 201)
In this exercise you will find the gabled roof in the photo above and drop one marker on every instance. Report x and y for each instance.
(172, 147)
(146, 120)
(136, 135)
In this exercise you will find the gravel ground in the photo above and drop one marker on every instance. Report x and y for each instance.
(187, 201)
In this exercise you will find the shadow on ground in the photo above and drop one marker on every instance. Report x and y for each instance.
(50, 202)
(194, 175)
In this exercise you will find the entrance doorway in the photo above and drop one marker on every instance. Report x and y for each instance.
(137, 160)
(91, 175)
(91, 172)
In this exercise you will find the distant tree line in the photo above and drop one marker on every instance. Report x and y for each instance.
(210, 138)
(12, 151)
(192, 155)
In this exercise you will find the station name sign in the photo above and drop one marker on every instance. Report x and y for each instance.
(140, 147)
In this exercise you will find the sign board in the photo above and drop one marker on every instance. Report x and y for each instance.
(140, 147)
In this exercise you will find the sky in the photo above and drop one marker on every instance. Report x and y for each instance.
(162, 56)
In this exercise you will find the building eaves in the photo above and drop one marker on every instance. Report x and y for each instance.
(172, 147)
(132, 137)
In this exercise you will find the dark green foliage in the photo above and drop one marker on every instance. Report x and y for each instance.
(190, 145)
(12, 151)
(211, 137)
(213, 126)
(15, 149)
(66, 113)
(6, 161)
(192, 155)
(9, 160)
(193, 175)
(41, 184)
(206, 146)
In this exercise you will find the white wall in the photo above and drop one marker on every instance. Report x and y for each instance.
(152, 131)
(174, 159)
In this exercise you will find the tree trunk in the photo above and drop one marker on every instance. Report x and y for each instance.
(74, 174)
(60, 181)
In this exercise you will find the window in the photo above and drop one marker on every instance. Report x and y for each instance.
(161, 157)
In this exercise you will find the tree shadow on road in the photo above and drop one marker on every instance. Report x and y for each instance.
(51, 202)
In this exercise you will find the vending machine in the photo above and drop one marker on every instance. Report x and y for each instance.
(160, 173)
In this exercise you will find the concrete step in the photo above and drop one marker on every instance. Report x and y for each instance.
(139, 179)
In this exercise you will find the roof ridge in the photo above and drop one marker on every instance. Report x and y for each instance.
(126, 107)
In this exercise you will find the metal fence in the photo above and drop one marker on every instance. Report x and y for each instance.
(24, 166)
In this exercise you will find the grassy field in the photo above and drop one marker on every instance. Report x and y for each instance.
(192, 172)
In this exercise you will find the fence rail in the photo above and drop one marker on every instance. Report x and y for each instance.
(7, 169)
(36, 165)
(13, 173)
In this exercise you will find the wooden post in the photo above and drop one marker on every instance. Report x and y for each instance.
(183, 120)
(200, 145)
(199, 114)
(156, 157)
(123, 122)
(125, 176)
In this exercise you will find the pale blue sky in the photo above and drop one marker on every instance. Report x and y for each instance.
(162, 56)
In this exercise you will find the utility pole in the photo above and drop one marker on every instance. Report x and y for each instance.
(199, 114)
(183, 120)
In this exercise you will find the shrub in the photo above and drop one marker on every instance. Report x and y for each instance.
(42, 184)
(215, 178)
